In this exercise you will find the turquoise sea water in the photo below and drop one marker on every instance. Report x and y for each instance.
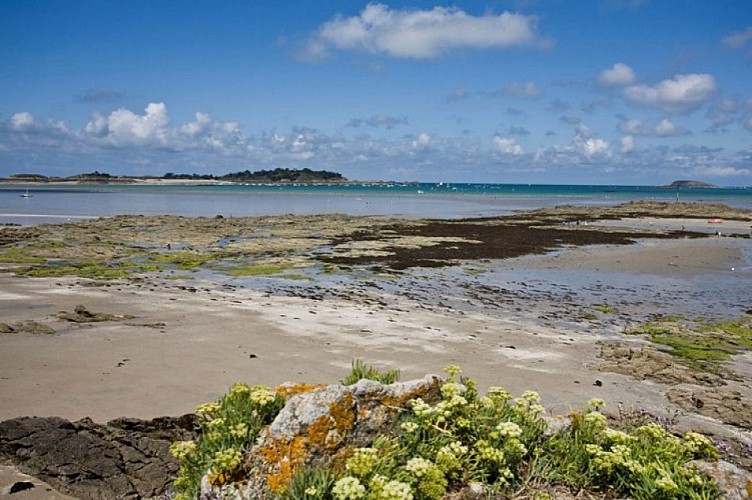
(51, 203)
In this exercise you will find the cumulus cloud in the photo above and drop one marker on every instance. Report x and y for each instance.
(627, 144)
(22, 122)
(507, 146)
(584, 143)
(422, 141)
(617, 76)
(664, 128)
(123, 128)
(421, 34)
(682, 94)
(738, 39)
(522, 89)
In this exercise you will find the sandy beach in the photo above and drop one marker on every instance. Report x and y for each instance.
(174, 344)
(161, 343)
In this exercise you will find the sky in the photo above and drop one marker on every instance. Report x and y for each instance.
(634, 92)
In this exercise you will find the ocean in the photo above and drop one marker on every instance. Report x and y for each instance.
(51, 203)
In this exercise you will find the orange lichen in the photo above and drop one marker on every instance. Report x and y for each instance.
(290, 390)
(286, 456)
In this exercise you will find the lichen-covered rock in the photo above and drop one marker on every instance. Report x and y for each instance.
(734, 483)
(323, 426)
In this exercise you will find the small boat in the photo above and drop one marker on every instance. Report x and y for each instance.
(26, 194)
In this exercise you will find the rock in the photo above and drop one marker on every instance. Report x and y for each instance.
(5, 328)
(321, 426)
(734, 483)
(82, 315)
(32, 327)
(647, 362)
(127, 458)
(730, 407)
(19, 486)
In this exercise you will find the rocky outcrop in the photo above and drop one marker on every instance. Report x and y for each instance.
(727, 406)
(126, 458)
(648, 363)
(319, 426)
(27, 326)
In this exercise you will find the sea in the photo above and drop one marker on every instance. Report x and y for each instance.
(29, 204)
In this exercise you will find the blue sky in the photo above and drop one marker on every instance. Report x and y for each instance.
(538, 91)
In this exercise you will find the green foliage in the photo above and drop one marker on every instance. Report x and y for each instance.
(258, 269)
(229, 428)
(437, 448)
(703, 346)
(360, 370)
(87, 268)
(605, 309)
(16, 255)
(181, 259)
(311, 482)
(647, 463)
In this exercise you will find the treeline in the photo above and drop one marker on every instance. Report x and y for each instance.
(260, 176)
(276, 175)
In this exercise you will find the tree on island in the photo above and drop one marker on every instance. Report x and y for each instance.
(276, 175)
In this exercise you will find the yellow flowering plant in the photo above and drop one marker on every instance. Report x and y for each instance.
(647, 463)
(228, 429)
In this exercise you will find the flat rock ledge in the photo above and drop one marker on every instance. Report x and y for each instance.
(125, 458)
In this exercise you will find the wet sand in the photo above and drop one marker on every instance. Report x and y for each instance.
(183, 345)
(514, 302)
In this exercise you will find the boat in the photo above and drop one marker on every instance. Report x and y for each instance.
(26, 194)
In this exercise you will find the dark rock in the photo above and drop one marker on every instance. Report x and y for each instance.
(126, 458)
(21, 486)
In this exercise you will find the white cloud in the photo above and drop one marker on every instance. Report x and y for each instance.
(526, 89)
(721, 171)
(738, 39)
(683, 93)
(22, 122)
(584, 143)
(422, 141)
(618, 75)
(125, 128)
(420, 34)
(507, 146)
(664, 128)
(627, 144)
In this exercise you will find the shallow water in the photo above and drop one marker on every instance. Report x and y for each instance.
(56, 203)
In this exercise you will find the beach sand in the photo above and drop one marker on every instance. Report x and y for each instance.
(172, 344)
(181, 346)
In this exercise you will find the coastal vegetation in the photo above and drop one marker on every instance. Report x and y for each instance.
(698, 344)
(501, 446)
(277, 175)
